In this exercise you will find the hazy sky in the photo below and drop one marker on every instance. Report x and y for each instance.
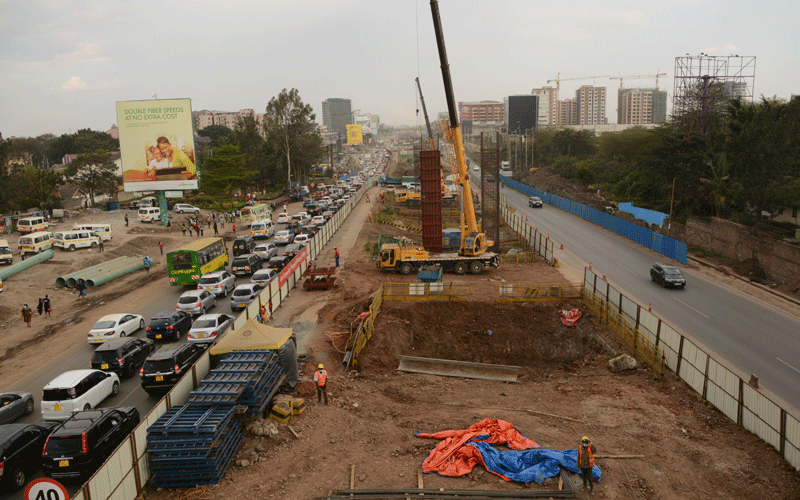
(64, 63)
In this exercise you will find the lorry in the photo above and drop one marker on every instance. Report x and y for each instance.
(505, 168)
(392, 181)
(406, 260)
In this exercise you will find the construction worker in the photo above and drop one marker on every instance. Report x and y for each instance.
(370, 216)
(321, 378)
(262, 312)
(586, 462)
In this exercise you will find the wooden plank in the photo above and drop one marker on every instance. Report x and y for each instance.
(293, 432)
(352, 476)
(619, 456)
(419, 479)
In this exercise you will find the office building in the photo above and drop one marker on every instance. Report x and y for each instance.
(548, 110)
(483, 112)
(337, 115)
(522, 113)
(205, 118)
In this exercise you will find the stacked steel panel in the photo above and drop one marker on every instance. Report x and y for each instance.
(192, 445)
(430, 167)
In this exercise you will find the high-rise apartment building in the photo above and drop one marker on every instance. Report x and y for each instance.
(566, 112)
(205, 118)
(337, 115)
(591, 105)
(641, 106)
(548, 110)
(484, 112)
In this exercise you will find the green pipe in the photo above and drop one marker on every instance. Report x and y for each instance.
(73, 281)
(116, 274)
(9, 271)
(61, 281)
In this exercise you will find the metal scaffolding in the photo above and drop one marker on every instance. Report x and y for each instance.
(704, 85)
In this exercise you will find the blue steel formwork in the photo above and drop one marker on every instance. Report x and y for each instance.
(659, 243)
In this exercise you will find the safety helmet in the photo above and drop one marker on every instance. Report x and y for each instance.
(584, 438)
(263, 304)
(320, 366)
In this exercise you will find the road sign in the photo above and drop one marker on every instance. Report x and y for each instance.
(46, 489)
(173, 194)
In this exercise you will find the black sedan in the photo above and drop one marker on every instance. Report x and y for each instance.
(667, 276)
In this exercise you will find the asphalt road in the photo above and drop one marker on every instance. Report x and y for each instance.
(745, 334)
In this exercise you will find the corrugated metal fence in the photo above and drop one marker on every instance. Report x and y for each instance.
(659, 243)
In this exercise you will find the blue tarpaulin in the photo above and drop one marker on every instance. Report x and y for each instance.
(531, 465)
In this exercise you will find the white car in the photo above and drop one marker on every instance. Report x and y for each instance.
(283, 218)
(302, 239)
(283, 237)
(77, 390)
(183, 208)
(209, 327)
(113, 326)
(318, 220)
(266, 251)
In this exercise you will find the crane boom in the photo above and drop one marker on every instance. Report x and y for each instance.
(425, 113)
(472, 241)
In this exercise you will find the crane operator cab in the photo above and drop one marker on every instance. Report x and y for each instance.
(475, 244)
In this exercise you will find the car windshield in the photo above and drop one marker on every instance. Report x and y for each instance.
(159, 322)
(67, 445)
(240, 263)
(261, 276)
(102, 325)
(672, 270)
(209, 281)
(204, 323)
(158, 365)
(56, 395)
(242, 293)
(189, 299)
(104, 356)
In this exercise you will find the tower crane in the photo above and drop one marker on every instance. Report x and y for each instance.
(638, 77)
(558, 81)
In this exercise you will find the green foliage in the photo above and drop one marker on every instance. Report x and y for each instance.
(83, 141)
(95, 173)
(219, 134)
(225, 172)
(39, 188)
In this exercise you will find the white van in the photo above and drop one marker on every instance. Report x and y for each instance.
(77, 390)
(262, 229)
(31, 224)
(36, 242)
(102, 230)
(6, 256)
(70, 240)
(149, 214)
(150, 201)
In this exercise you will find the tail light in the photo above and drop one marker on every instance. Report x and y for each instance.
(199, 287)
(177, 306)
(247, 268)
(217, 286)
(141, 371)
(177, 369)
(44, 448)
(148, 329)
(84, 444)
(112, 332)
(170, 327)
(213, 334)
(198, 304)
(72, 392)
(121, 361)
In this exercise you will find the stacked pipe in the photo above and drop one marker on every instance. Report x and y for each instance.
(102, 273)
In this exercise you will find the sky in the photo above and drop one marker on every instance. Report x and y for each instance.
(64, 63)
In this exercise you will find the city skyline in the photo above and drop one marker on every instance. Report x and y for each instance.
(64, 65)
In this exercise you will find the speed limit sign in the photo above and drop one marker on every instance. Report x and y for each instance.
(46, 489)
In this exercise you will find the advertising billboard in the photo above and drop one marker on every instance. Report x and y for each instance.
(354, 134)
(156, 142)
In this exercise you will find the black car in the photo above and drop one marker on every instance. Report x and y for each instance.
(246, 264)
(21, 452)
(312, 209)
(122, 355)
(243, 245)
(535, 202)
(291, 250)
(169, 324)
(666, 275)
(310, 230)
(328, 214)
(165, 367)
(79, 445)
(278, 262)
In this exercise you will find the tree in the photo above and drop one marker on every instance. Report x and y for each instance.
(225, 172)
(39, 187)
(219, 134)
(247, 136)
(93, 172)
(84, 141)
(289, 128)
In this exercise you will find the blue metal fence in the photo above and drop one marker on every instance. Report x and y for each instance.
(664, 245)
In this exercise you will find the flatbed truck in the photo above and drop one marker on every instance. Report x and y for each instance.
(407, 260)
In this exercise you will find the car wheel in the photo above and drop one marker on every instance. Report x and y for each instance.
(460, 268)
(131, 370)
(141, 324)
(87, 406)
(406, 268)
(19, 478)
(177, 334)
(94, 244)
(652, 277)
(214, 303)
(115, 389)
(29, 407)
(476, 267)
(72, 248)
(122, 334)
(202, 311)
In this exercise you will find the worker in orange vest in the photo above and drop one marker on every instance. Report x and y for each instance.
(262, 312)
(586, 462)
(321, 378)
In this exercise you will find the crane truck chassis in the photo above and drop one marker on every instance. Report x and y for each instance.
(406, 260)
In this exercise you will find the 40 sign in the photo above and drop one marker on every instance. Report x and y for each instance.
(45, 489)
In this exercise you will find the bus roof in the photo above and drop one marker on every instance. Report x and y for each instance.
(256, 206)
(197, 245)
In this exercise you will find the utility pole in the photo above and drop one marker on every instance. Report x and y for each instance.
(672, 201)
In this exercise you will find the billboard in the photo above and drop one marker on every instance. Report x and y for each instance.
(354, 134)
(156, 142)
(522, 113)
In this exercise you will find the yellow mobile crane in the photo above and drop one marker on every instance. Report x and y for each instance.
(473, 254)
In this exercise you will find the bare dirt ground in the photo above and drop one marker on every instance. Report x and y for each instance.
(689, 449)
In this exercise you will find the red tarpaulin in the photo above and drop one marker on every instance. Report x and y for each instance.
(571, 317)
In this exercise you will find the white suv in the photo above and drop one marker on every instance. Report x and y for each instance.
(77, 390)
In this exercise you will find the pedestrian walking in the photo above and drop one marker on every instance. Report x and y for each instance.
(100, 244)
(46, 306)
(222, 221)
(21, 255)
(147, 263)
(321, 378)
(234, 227)
(27, 314)
(285, 207)
(161, 247)
(216, 231)
(40, 307)
(126, 220)
(369, 216)
(367, 197)
(336, 255)
(183, 229)
(81, 287)
(208, 220)
(190, 231)
(586, 462)
(201, 229)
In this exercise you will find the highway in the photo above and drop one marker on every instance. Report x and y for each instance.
(744, 333)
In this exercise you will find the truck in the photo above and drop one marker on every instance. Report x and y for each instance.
(407, 260)
(505, 168)
(408, 181)
(384, 180)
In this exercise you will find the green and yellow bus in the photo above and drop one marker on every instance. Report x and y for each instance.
(254, 213)
(199, 257)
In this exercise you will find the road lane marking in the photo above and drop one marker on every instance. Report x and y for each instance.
(787, 364)
(692, 308)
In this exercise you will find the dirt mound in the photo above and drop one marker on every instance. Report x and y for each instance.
(550, 182)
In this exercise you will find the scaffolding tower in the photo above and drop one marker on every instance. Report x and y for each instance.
(703, 86)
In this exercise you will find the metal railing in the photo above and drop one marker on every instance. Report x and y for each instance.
(426, 291)
(518, 258)
(538, 292)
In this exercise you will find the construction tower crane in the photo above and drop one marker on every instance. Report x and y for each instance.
(425, 113)
(638, 77)
(558, 81)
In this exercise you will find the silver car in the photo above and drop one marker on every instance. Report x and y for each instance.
(264, 276)
(209, 327)
(266, 251)
(14, 405)
(244, 295)
(196, 302)
(219, 283)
